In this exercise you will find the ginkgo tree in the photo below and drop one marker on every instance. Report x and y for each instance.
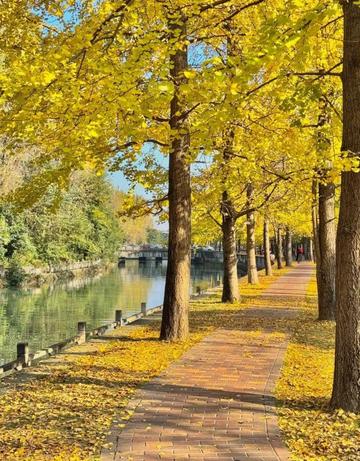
(315, 102)
(347, 352)
(347, 365)
(102, 80)
(266, 165)
(93, 84)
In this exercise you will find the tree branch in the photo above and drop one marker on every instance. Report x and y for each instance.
(239, 10)
(254, 90)
(111, 16)
(155, 141)
(213, 218)
(134, 143)
(252, 209)
(209, 6)
(160, 119)
(333, 107)
(188, 112)
(320, 73)
(331, 22)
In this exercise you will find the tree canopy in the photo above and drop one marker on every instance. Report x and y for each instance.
(222, 110)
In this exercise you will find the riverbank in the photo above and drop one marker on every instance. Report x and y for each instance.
(65, 406)
(49, 314)
(63, 409)
(35, 277)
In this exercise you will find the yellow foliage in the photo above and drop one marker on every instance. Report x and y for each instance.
(63, 409)
(66, 412)
(312, 431)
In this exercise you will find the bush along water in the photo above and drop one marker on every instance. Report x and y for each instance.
(79, 224)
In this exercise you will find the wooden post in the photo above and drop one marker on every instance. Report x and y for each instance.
(23, 353)
(81, 332)
(143, 308)
(118, 316)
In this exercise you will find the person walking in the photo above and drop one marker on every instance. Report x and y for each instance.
(299, 253)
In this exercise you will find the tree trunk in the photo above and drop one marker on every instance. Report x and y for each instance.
(273, 245)
(230, 292)
(251, 250)
(315, 219)
(311, 250)
(281, 245)
(268, 268)
(175, 324)
(250, 239)
(238, 245)
(288, 246)
(278, 248)
(326, 265)
(306, 249)
(346, 390)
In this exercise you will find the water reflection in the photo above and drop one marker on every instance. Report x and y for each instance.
(49, 314)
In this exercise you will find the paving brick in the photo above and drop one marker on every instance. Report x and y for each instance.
(216, 402)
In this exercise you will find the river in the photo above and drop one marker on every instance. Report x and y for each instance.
(49, 314)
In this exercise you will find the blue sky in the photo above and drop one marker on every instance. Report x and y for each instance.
(121, 183)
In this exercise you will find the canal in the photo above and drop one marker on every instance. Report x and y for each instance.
(50, 314)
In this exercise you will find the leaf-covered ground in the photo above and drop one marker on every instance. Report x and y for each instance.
(62, 410)
(311, 430)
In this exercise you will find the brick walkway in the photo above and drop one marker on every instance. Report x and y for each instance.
(216, 402)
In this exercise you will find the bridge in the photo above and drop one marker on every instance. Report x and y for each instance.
(144, 254)
(198, 256)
